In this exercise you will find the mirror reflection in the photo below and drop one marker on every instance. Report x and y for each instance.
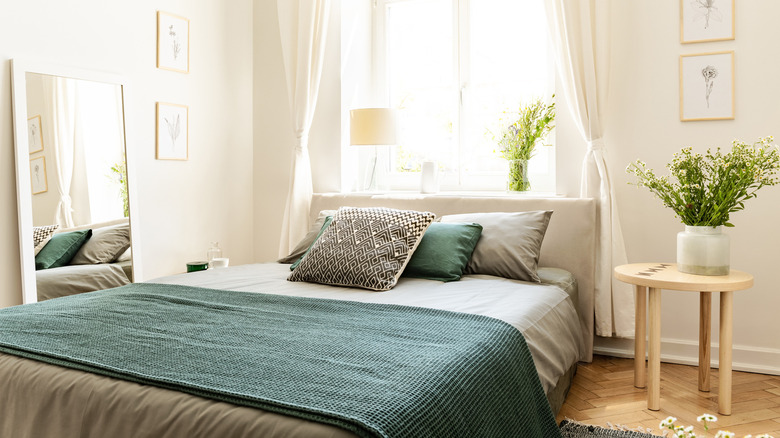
(78, 179)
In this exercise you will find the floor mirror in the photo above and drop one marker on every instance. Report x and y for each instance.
(75, 180)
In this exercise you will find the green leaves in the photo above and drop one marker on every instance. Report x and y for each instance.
(703, 190)
(534, 122)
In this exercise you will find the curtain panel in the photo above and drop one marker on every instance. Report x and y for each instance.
(579, 32)
(60, 99)
(303, 26)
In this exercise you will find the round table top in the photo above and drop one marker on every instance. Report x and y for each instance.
(666, 276)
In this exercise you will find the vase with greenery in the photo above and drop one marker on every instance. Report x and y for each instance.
(703, 190)
(518, 140)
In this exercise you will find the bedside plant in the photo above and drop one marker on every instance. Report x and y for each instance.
(703, 190)
(520, 137)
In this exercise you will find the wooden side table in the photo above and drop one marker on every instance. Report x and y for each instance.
(654, 277)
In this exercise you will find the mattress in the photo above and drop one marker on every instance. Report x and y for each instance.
(76, 279)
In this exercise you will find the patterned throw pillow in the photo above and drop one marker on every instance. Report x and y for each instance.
(364, 247)
(42, 235)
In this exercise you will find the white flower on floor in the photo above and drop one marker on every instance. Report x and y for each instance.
(706, 418)
(669, 421)
(687, 432)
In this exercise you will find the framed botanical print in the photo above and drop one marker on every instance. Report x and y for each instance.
(38, 178)
(34, 134)
(172, 131)
(173, 42)
(707, 86)
(706, 20)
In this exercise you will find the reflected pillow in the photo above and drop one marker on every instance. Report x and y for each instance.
(303, 246)
(105, 245)
(510, 244)
(41, 236)
(61, 249)
(444, 251)
(364, 247)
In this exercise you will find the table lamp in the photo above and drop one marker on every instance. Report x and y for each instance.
(373, 127)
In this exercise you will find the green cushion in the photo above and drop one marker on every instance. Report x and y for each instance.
(444, 251)
(328, 220)
(61, 249)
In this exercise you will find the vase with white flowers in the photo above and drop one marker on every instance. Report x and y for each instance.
(703, 190)
(519, 139)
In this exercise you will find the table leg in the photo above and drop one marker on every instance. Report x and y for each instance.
(640, 334)
(724, 371)
(654, 352)
(705, 323)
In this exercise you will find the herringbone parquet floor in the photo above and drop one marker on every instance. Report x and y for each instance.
(603, 391)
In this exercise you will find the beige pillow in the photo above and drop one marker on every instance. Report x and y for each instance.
(105, 245)
(303, 246)
(510, 243)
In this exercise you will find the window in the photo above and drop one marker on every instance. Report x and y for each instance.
(456, 68)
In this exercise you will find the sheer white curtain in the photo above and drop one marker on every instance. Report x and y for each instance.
(579, 31)
(60, 96)
(302, 27)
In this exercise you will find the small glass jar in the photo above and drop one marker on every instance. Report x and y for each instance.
(703, 251)
(214, 252)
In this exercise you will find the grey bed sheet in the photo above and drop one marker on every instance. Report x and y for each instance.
(76, 279)
(544, 313)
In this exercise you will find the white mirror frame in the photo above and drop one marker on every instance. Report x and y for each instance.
(23, 193)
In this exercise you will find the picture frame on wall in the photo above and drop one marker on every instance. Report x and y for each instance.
(707, 86)
(34, 137)
(172, 131)
(173, 42)
(38, 178)
(706, 20)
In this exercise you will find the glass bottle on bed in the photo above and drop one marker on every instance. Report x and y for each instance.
(213, 253)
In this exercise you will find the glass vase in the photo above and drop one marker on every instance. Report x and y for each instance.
(703, 251)
(214, 252)
(517, 178)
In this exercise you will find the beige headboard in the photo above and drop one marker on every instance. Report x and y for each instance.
(569, 243)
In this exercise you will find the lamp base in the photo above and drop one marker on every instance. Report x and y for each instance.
(375, 176)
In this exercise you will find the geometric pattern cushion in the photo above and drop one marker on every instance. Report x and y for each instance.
(364, 247)
(41, 236)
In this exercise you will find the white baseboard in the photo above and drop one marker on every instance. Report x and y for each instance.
(745, 358)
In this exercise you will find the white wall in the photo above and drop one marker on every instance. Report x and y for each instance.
(182, 205)
(644, 123)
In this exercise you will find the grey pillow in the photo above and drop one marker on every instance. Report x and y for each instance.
(106, 244)
(510, 243)
(303, 246)
(364, 247)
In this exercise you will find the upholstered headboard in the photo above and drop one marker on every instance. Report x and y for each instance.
(569, 243)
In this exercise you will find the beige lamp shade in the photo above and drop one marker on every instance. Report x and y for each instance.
(373, 126)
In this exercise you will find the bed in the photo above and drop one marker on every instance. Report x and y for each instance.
(556, 328)
(102, 262)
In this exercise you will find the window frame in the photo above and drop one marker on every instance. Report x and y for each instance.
(545, 182)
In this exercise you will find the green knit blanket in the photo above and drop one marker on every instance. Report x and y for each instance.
(374, 369)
